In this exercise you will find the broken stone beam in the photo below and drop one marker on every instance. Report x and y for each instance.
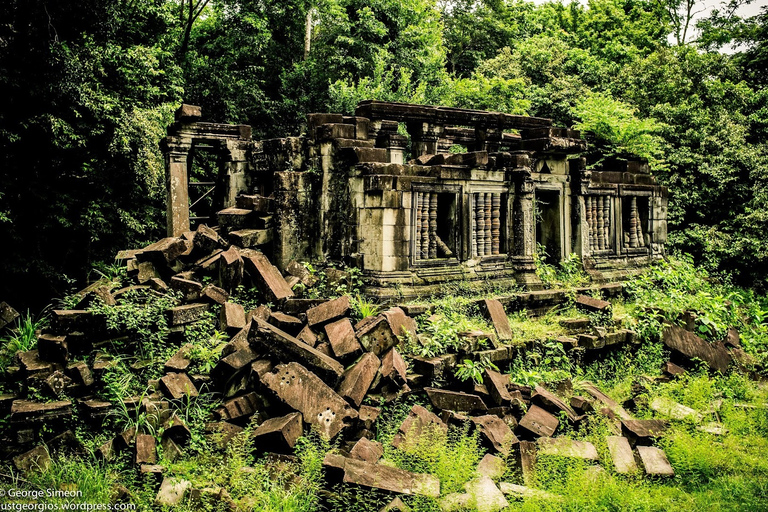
(553, 403)
(539, 422)
(178, 386)
(186, 314)
(23, 411)
(229, 365)
(642, 431)
(189, 289)
(455, 400)
(387, 478)
(592, 305)
(367, 450)
(687, 343)
(232, 317)
(230, 269)
(328, 311)
(496, 384)
(307, 393)
(564, 447)
(671, 409)
(163, 251)
(214, 294)
(36, 459)
(496, 433)
(414, 425)
(494, 311)
(237, 408)
(358, 379)
(207, 240)
(145, 449)
(267, 278)
(279, 434)
(621, 453)
(250, 238)
(607, 401)
(341, 336)
(655, 461)
(52, 348)
(7, 314)
(287, 323)
(393, 367)
(285, 346)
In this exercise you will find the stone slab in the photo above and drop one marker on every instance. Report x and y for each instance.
(655, 461)
(621, 453)
(539, 422)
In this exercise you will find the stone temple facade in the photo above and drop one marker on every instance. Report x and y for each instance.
(417, 196)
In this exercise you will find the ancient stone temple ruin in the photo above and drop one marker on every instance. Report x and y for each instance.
(416, 195)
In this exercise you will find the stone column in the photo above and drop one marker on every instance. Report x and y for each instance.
(424, 138)
(488, 139)
(177, 183)
(524, 222)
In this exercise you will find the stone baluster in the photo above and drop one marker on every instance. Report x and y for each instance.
(588, 219)
(633, 222)
(433, 225)
(600, 222)
(607, 222)
(594, 224)
(419, 203)
(495, 223)
(473, 225)
(487, 235)
(425, 226)
(480, 222)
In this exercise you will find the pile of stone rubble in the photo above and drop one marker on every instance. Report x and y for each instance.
(304, 364)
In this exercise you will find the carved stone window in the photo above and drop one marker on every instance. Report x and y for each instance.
(599, 221)
(487, 215)
(435, 227)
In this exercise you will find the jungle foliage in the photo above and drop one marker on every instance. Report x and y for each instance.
(89, 87)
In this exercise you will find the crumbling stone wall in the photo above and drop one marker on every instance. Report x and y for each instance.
(411, 213)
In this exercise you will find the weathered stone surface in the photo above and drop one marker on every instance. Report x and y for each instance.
(251, 238)
(485, 495)
(178, 386)
(455, 502)
(611, 404)
(308, 394)
(399, 322)
(495, 433)
(551, 402)
(642, 431)
(674, 410)
(267, 278)
(287, 323)
(230, 269)
(146, 452)
(279, 434)
(496, 384)
(341, 336)
(673, 370)
(539, 422)
(214, 294)
(592, 305)
(367, 450)
(387, 478)
(307, 336)
(414, 425)
(328, 311)
(492, 466)
(163, 251)
(687, 343)
(206, 240)
(393, 367)
(526, 460)
(455, 400)
(186, 314)
(36, 459)
(32, 365)
(396, 505)
(232, 317)
(57, 382)
(23, 411)
(189, 289)
(289, 348)
(80, 373)
(231, 364)
(520, 491)
(376, 335)
(172, 492)
(655, 461)
(494, 311)
(358, 379)
(564, 447)
(621, 453)
(237, 408)
(367, 416)
(7, 314)
(52, 348)
(181, 360)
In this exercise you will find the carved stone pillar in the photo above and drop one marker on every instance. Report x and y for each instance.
(480, 223)
(177, 186)
(495, 223)
(433, 225)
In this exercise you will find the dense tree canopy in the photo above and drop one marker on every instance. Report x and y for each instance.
(89, 86)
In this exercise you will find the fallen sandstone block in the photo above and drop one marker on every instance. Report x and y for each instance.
(539, 422)
(279, 434)
(455, 400)
(655, 461)
(358, 379)
(564, 447)
(328, 311)
(621, 453)
(377, 476)
(687, 343)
